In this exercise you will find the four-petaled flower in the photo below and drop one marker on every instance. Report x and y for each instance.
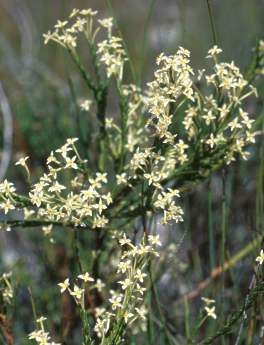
(86, 277)
(65, 285)
(211, 312)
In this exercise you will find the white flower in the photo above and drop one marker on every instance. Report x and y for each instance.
(77, 292)
(99, 285)
(47, 229)
(7, 206)
(86, 277)
(125, 283)
(140, 275)
(260, 258)
(142, 312)
(106, 23)
(124, 266)
(121, 178)
(214, 51)
(116, 301)
(65, 285)
(7, 187)
(208, 301)
(211, 312)
(125, 241)
(154, 240)
(22, 161)
(85, 105)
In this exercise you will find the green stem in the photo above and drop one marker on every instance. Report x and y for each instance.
(144, 43)
(160, 312)
(210, 13)
(26, 223)
(33, 306)
(223, 242)
(83, 72)
(210, 227)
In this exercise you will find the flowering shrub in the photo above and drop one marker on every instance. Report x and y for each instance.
(173, 134)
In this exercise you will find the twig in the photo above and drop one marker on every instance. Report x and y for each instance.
(31, 223)
(212, 21)
(244, 316)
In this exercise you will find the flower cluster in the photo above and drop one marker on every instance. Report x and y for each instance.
(110, 51)
(137, 133)
(7, 191)
(166, 202)
(80, 204)
(6, 289)
(172, 82)
(209, 307)
(152, 169)
(66, 33)
(217, 118)
(113, 55)
(77, 292)
(215, 125)
(127, 303)
(40, 335)
(189, 124)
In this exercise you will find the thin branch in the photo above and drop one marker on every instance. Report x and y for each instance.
(212, 21)
(31, 223)
(244, 316)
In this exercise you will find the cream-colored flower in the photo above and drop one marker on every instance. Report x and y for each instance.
(86, 105)
(211, 312)
(260, 257)
(22, 161)
(208, 301)
(99, 285)
(86, 277)
(125, 283)
(7, 206)
(154, 240)
(65, 285)
(76, 292)
(214, 51)
(140, 275)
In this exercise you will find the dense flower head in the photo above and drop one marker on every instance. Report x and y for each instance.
(218, 114)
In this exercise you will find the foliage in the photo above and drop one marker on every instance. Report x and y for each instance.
(125, 188)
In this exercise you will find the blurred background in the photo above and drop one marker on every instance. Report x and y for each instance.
(37, 115)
